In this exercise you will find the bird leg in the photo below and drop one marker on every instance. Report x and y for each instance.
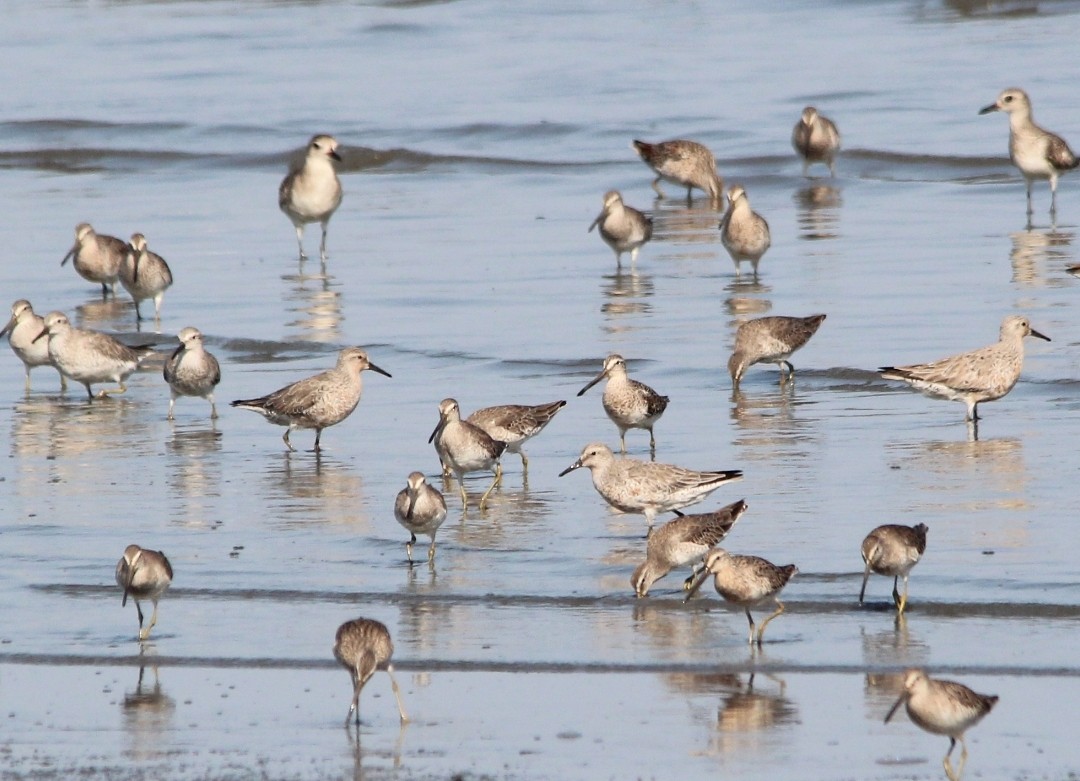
(397, 693)
(901, 603)
(288, 444)
(213, 407)
(104, 393)
(431, 551)
(300, 242)
(322, 244)
(172, 403)
(750, 618)
(652, 442)
(495, 482)
(145, 633)
(408, 548)
(656, 186)
(765, 623)
(318, 436)
(952, 775)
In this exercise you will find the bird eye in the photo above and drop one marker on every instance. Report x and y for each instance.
(1008, 98)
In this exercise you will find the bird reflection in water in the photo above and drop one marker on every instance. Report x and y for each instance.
(148, 715)
(747, 713)
(314, 303)
(625, 294)
(1033, 252)
(304, 490)
(352, 734)
(101, 314)
(817, 210)
(194, 474)
(893, 648)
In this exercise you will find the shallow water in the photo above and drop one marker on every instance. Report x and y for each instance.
(478, 141)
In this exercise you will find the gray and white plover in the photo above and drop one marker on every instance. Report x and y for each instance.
(192, 370)
(628, 403)
(1038, 153)
(743, 232)
(465, 448)
(421, 509)
(144, 274)
(312, 192)
(88, 356)
(97, 257)
(22, 331)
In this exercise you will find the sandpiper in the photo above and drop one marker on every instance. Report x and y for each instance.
(981, 375)
(1038, 153)
(22, 330)
(97, 257)
(421, 509)
(646, 487)
(685, 163)
(144, 274)
(893, 549)
(629, 403)
(88, 356)
(191, 370)
(465, 447)
(746, 581)
(316, 402)
(515, 424)
(816, 139)
(684, 541)
(771, 340)
(143, 574)
(364, 646)
(312, 192)
(743, 232)
(943, 708)
(622, 227)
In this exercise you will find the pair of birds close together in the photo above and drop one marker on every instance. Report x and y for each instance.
(106, 259)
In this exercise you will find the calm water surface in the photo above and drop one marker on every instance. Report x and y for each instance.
(478, 141)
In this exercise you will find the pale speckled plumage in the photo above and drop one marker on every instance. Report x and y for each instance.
(816, 139)
(192, 370)
(981, 375)
(144, 274)
(316, 402)
(515, 424)
(646, 487)
(97, 257)
(943, 708)
(88, 356)
(685, 540)
(746, 581)
(681, 162)
(743, 232)
(628, 403)
(771, 340)
(363, 646)
(1038, 153)
(465, 447)
(421, 509)
(312, 192)
(892, 550)
(143, 574)
(22, 331)
(622, 227)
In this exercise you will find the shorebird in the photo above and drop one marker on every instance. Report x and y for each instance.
(943, 708)
(515, 424)
(465, 447)
(88, 356)
(770, 340)
(629, 403)
(622, 227)
(743, 232)
(97, 257)
(192, 371)
(684, 541)
(685, 163)
(421, 509)
(317, 402)
(143, 574)
(364, 646)
(746, 581)
(22, 330)
(312, 192)
(893, 549)
(981, 375)
(816, 139)
(646, 487)
(144, 274)
(1038, 153)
